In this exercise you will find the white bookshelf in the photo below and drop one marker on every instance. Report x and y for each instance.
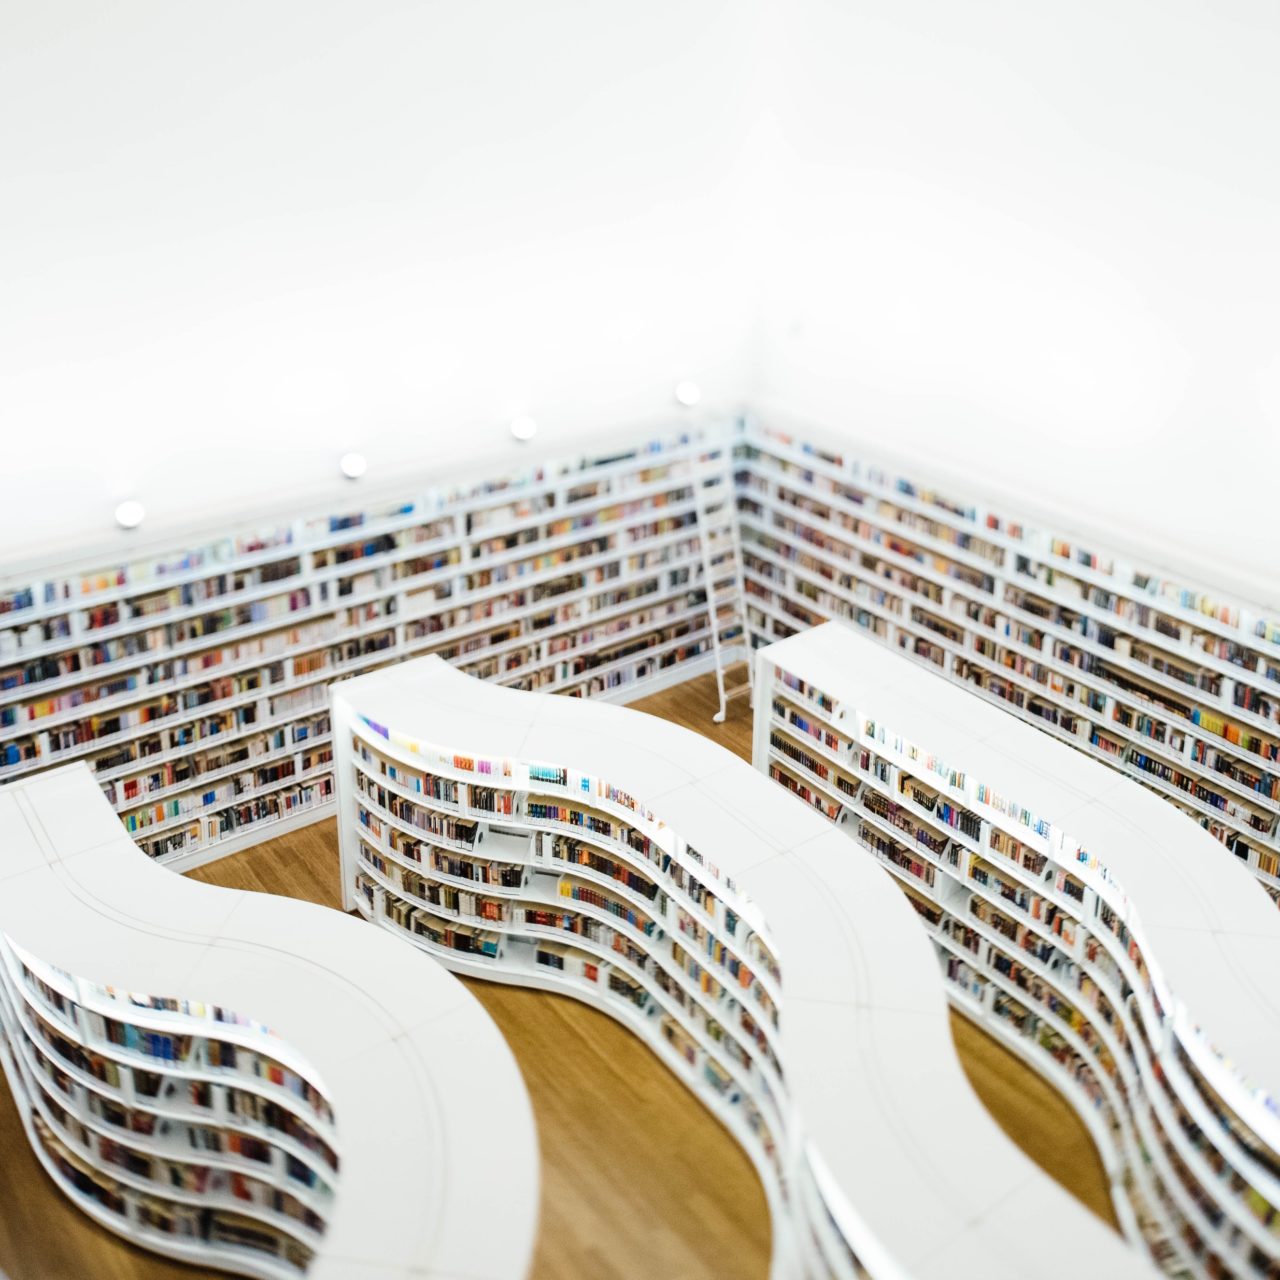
(1099, 934)
(583, 848)
(224, 1118)
(1173, 681)
(192, 676)
(584, 575)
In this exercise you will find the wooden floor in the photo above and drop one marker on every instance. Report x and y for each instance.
(638, 1180)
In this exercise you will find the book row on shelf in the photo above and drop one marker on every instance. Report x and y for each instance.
(223, 1141)
(580, 577)
(455, 566)
(128, 679)
(1035, 935)
(462, 836)
(401, 866)
(172, 1130)
(1168, 685)
(230, 565)
(1191, 615)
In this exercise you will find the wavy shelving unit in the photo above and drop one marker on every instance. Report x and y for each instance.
(1102, 936)
(602, 853)
(248, 1082)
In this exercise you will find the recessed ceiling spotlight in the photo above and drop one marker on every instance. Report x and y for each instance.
(524, 427)
(353, 465)
(688, 393)
(130, 514)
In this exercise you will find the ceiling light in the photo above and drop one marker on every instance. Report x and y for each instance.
(353, 465)
(523, 427)
(688, 393)
(130, 514)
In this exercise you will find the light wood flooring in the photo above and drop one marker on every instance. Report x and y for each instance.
(637, 1179)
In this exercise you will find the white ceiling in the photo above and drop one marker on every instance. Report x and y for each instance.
(1036, 243)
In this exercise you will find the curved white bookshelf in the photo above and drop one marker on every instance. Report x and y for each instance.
(599, 852)
(1110, 942)
(289, 1097)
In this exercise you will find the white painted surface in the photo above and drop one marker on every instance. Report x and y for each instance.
(1037, 243)
(238, 244)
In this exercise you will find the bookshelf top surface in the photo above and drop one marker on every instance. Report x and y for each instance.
(1213, 935)
(921, 1169)
(351, 1009)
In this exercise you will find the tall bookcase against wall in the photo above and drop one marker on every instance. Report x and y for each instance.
(188, 1127)
(1173, 682)
(582, 848)
(192, 678)
(1096, 932)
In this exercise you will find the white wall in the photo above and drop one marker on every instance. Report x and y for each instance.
(240, 239)
(1040, 242)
